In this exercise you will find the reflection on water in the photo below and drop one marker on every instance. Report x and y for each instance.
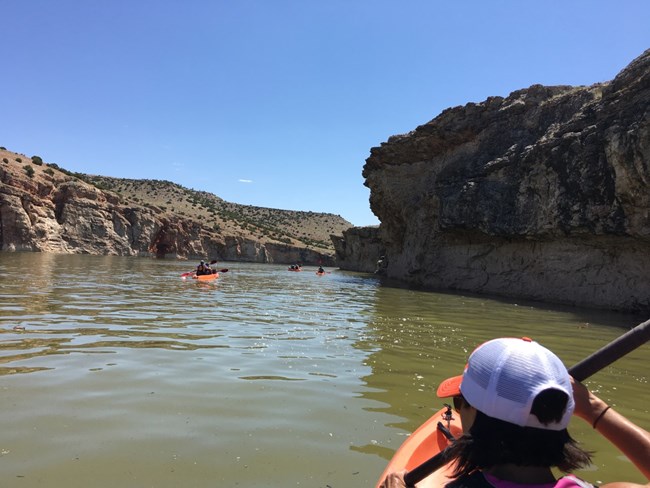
(114, 371)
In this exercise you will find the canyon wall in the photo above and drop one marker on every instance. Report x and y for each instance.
(46, 210)
(359, 249)
(543, 195)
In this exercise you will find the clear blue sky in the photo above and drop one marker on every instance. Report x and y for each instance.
(277, 103)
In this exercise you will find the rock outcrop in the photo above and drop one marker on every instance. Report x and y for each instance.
(46, 210)
(359, 249)
(542, 195)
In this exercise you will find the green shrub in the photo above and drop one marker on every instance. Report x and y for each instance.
(37, 160)
(19, 160)
(49, 171)
(29, 170)
(5, 160)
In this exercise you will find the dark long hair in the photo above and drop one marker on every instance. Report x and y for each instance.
(491, 442)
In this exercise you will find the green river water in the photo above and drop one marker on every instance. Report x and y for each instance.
(114, 372)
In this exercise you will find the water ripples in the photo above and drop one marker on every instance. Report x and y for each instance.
(114, 370)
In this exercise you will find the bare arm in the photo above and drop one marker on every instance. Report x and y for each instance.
(630, 439)
(394, 480)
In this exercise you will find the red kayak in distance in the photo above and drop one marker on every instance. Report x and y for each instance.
(428, 440)
(208, 277)
(204, 277)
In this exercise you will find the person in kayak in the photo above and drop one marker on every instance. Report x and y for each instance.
(515, 399)
(201, 269)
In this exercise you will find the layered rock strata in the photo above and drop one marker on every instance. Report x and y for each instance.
(49, 211)
(544, 195)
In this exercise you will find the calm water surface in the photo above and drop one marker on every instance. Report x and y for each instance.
(114, 372)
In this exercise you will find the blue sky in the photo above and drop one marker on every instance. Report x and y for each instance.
(277, 103)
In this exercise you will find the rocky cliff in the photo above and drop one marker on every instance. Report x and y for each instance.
(359, 249)
(44, 208)
(544, 194)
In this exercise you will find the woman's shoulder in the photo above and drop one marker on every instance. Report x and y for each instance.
(571, 481)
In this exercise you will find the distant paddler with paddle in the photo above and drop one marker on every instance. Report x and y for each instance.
(203, 268)
(515, 399)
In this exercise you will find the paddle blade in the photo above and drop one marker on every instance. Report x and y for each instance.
(187, 274)
(224, 270)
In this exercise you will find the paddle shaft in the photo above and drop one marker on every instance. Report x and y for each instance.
(613, 351)
(223, 270)
(600, 359)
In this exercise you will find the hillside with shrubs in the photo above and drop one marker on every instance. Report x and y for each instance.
(297, 228)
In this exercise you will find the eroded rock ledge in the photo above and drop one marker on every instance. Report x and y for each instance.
(542, 195)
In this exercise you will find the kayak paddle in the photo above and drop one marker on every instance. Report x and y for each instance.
(600, 359)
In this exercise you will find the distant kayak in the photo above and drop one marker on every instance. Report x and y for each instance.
(294, 269)
(320, 273)
(208, 277)
(427, 441)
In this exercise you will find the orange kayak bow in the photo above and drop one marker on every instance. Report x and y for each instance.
(427, 441)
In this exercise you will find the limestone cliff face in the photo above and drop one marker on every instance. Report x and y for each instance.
(544, 195)
(359, 249)
(50, 211)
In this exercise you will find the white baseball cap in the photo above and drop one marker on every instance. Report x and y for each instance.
(503, 377)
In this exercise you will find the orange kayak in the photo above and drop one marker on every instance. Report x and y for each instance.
(208, 277)
(427, 441)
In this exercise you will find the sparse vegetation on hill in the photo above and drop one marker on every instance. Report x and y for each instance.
(312, 229)
(298, 228)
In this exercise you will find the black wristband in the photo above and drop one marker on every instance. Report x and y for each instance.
(600, 416)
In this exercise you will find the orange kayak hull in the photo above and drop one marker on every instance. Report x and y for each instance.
(210, 277)
(423, 444)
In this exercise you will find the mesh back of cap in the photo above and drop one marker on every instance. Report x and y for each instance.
(505, 375)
